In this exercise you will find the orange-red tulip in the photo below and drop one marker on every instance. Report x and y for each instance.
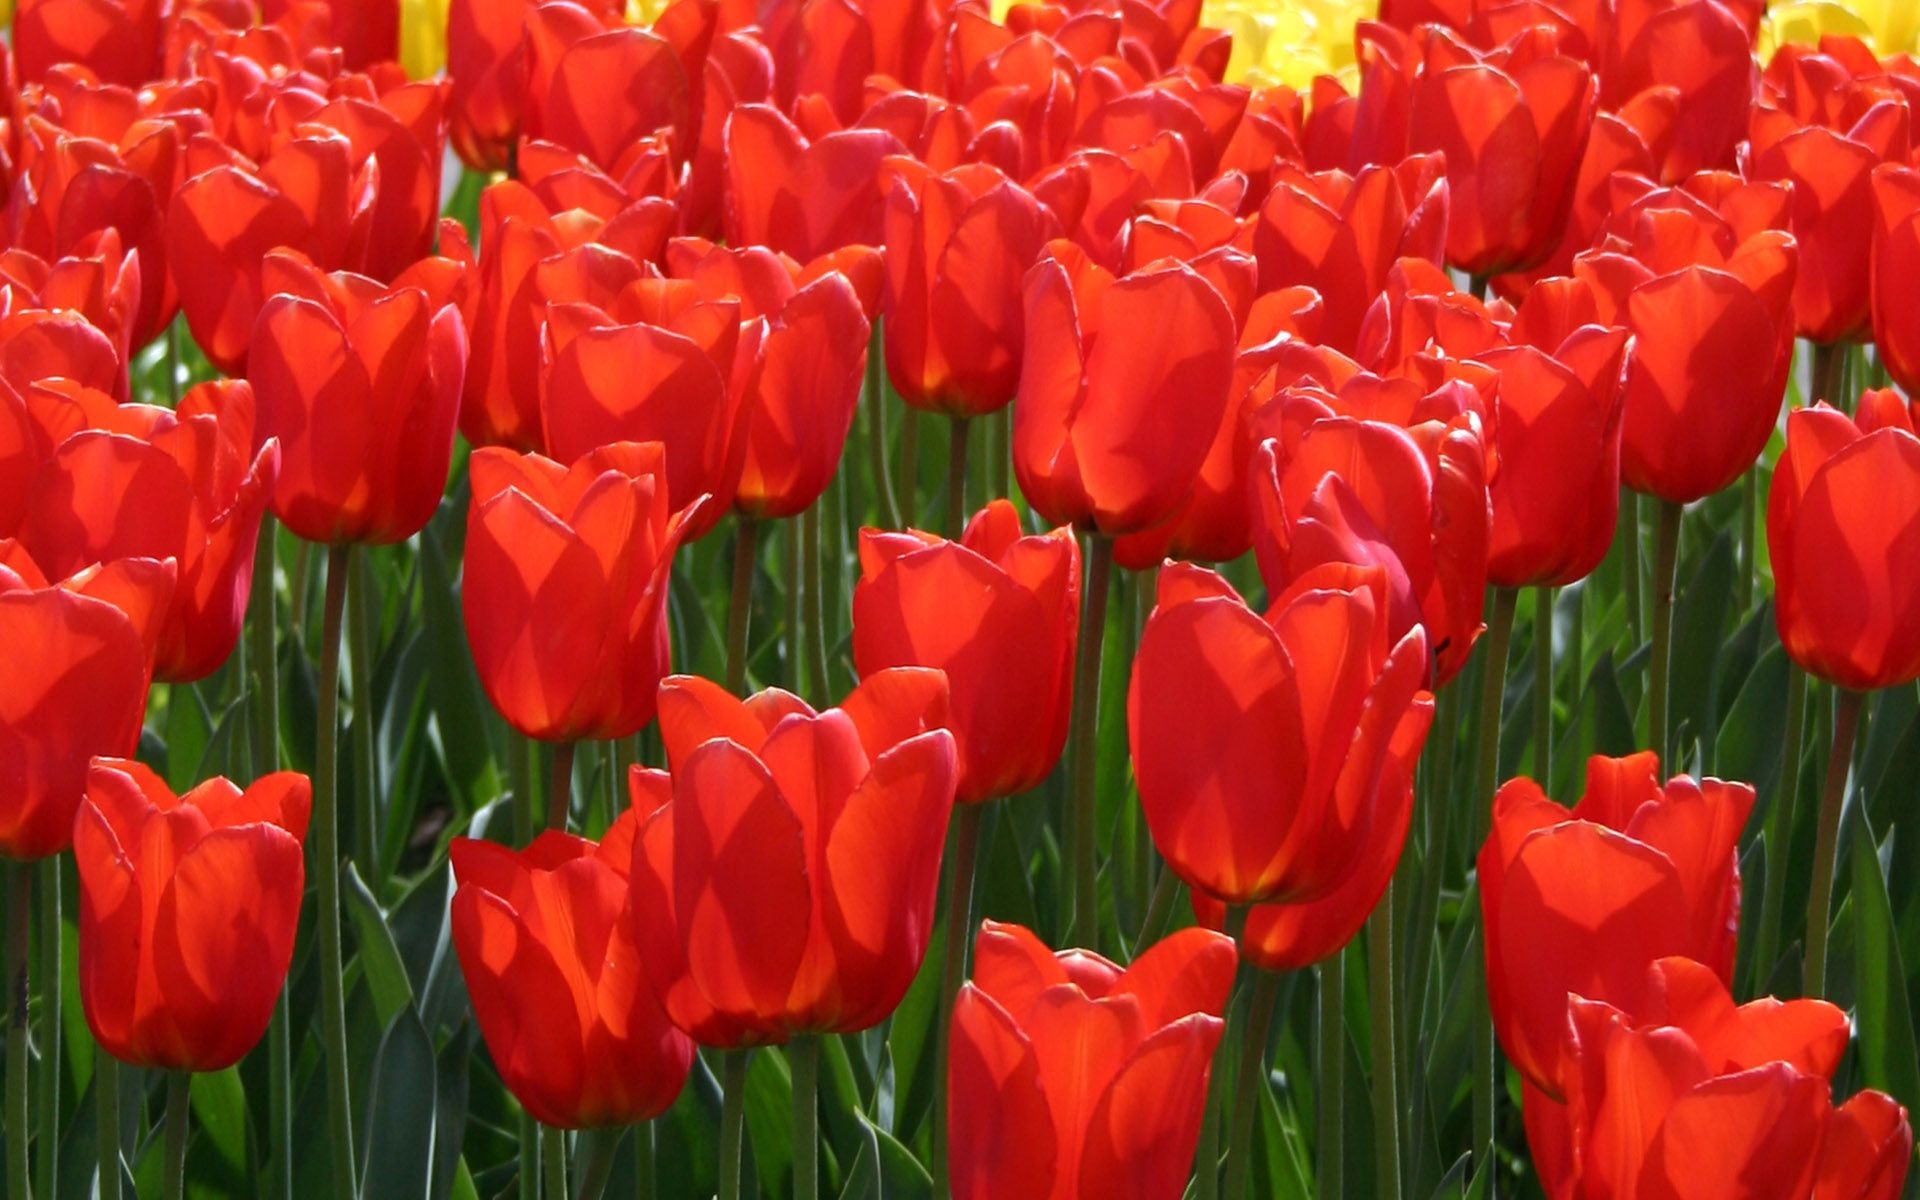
(1260, 745)
(1069, 1078)
(96, 282)
(188, 906)
(366, 31)
(1123, 387)
(117, 40)
(958, 245)
(804, 197)
(139, 481)
(1700, 54)
(784, 882)
(1580, 901)
(1896, 259)
(565, 588)
(1000, 614)
(39, 343)
(1842, 510)
(360, 382)
(558, 984)
(401, 133)
(599, 89)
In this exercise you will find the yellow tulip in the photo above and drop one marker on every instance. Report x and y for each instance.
(423, 36)
(1889, 26)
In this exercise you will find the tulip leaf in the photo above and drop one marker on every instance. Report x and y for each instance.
(461, 716)
(220, 1114)
(1700, 619)
(902, 1177)
(189, 728)
(770, 1121)
(379, 958)
(1750, 740)
(401, 1132)
(1888, 1058)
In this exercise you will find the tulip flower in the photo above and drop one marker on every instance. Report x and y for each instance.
(139, 481)
(1689, 1095)
(804, 197)
(1260, 744)
(1071, 1078)
(1844, 496)
(784, 878)
(367, 31)
(360, 382)
(1700, 54)
(401, 133)
(558, 985)
(80, 659)
(599, 90)
(96, 282)
(117, 40)
(1896, 256)
(958, 245)
(38, 343)
(996, 611)
(565, 588)
(188, 906)
(1580, 901)
(1123, 387)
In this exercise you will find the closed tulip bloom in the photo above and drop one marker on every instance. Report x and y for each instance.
(1896, 257)
(188, 906)
(784, 882)
(80, 659)
(565, 588)
(117, 40)
(1580, 901)
(360, 382)
(1260, 743)
(996, 611)
(1069, 1078)
(958, 245)
(1123, 387)
(140, 481)
(1700, 52)
(559, 987)
(96, 281)
(39, 343)
(804, 197)
(1844, 500)
(367, 31)
(598, 89)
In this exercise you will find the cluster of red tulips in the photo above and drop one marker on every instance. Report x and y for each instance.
(1423, 342)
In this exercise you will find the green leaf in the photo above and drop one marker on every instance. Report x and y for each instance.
(461, 714)
(770, 1120)
(1699, 626)
(400, 1126)
(1888, 1059)
(1754, 733)
(220, 1113)
(379, 957)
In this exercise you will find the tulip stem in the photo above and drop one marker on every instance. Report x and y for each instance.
(602, 1144)
(811, 535)
(1627, 538)
(1165, 891)
(1779, 833)
(803, 1058)
(179, 1109)
(1543, 685)
(1329, 1161)
(46, 1179)
(173, 362)
(1386, 1050)
(908, 490)
(1827, 361)
(560, 790)
(1665, 561)
(553, 1152)
(264, 706)
(1493, 687)
(1086, 715)
(964, 853)
(366, 805)
(1846, 722)
(529, 1157)
(106, 1119)
(733, 1111)
(326, 854)
(643, 1161)
(1251, 1082)
(746, 543)
(876, 401)
(957, 441)
(1749, 514)
(19, 929)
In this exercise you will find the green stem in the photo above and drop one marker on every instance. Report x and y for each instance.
(957, 478)
(179, 1109)
(361, 619)
(1328, 1162)
(553, 1153)
(560, 791)
(733, 1108)
(645, 1188)
(1827, 361)
(961, 860)
(812, 533)
(529, 1157)
(1386, 1036)
(1086, 715)
(106, 1119)
(19, 931)
(279, 1096)
(47, 1179)
(325, 832)
(795, 604)
(803, 1057)
(1628, 540)
(526, 806)
(746, 543)
(1493, 681)
(1846, 721)
(1207, 1153)
(1000, 452)
(1251, 1082)
(876, 404)
(908, 468)
(1543, 685)
(1659, 669)
(1165, 892)
(1749, 539)
(264, 707)
(602, 1144)
(173, 362)
(1786, 798)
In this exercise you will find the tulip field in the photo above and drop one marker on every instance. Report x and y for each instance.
(959, 599)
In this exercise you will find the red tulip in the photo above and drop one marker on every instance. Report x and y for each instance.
(558, 984)
(739, 70)
(1071, 1079)
(117, 40)
(97, 282)
(138, 481)
(565, 589)
(360, 382)
(188, 906)
(1845, 495)
(804, 197)
(81, 657)
(1261, 745)
(401, 133)
(814, 362)
(1580, 902)
(39, 343)
(1123, 387)
(599, 89)
(784, 883)
(1701, 53)
(958, 245)
(367, 31)
(1896, 257)
(1000, 614)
